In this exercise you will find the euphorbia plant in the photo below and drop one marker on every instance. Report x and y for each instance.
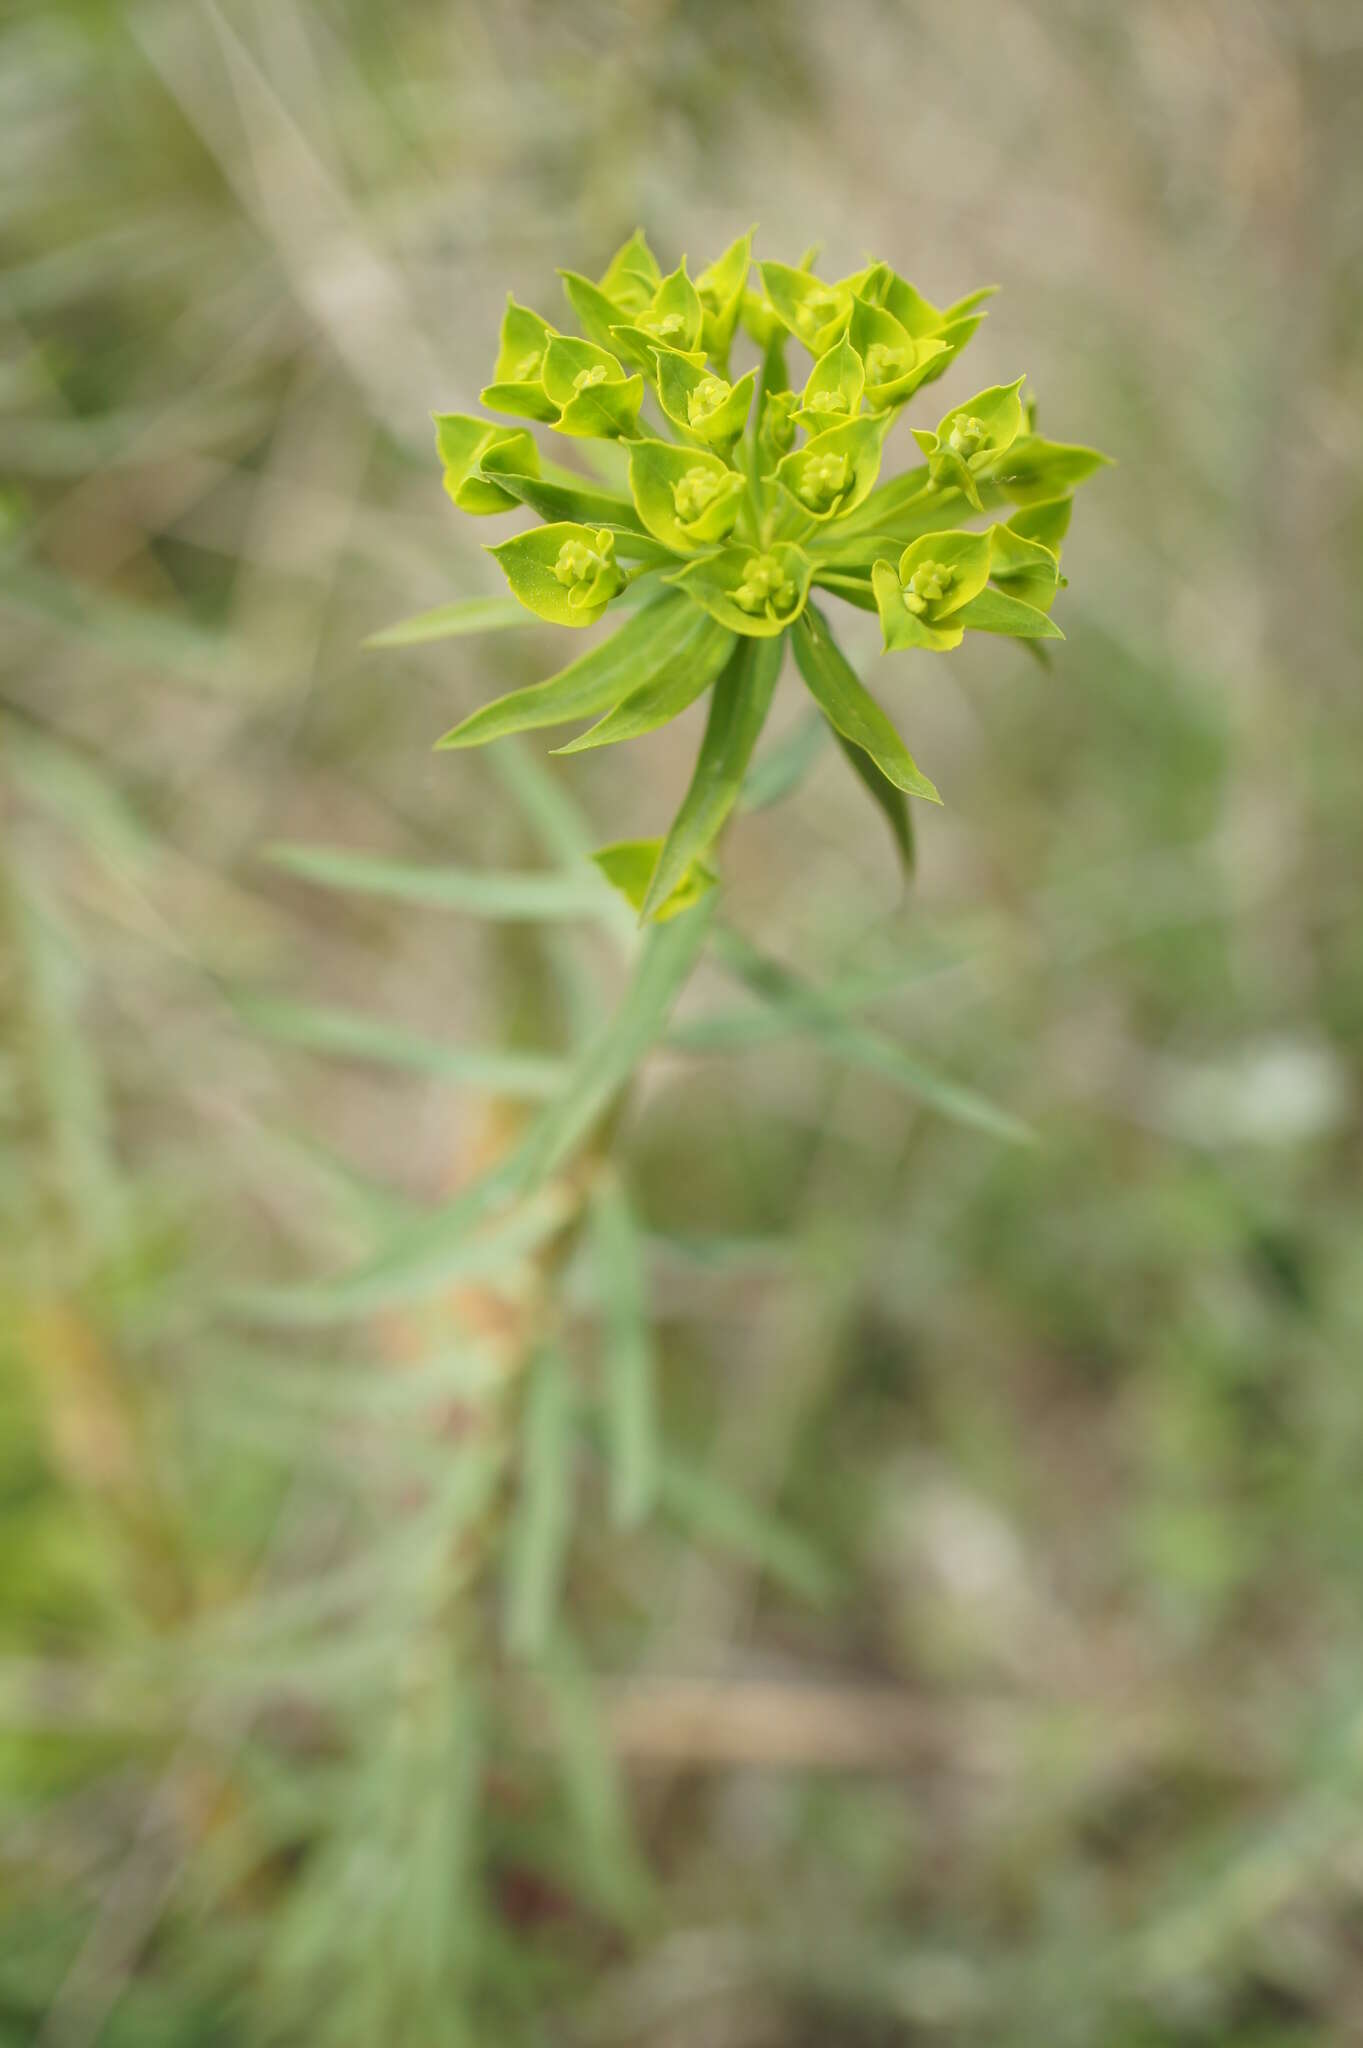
(736, 499)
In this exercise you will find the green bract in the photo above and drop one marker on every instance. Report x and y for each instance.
(473, 450)
(749, 489)
(566, 573)
(589, 387)
(972, 437)
(687, 497)
(759, 591)
(836, 470)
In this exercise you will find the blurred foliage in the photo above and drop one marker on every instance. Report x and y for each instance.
(917, 1601)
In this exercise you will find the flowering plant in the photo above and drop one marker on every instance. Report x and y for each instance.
(731, 500)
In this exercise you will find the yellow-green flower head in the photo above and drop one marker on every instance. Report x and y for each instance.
(707, 398)
(885, 362)
(967, 436)
(819, 307)
(822, 479)
(586, 380)
(833, 402)
(928, 584)
(694, 491)
(764, 583)
(666, 326)
(528, 368)
(580, 562)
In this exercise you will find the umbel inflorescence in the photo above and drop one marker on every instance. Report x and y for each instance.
(734, 497)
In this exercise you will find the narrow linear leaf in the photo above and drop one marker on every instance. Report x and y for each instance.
(608, 1861)
(648, 642)
(451, 621)
(524, 1077)
(665, 961)
(507, 897)
(762, 1023)
(629, 1361)
(850, 708)
(862, 1045)
(468, 1236)
(716, 1514)
(665, 696)
(492, 1252)
(887, 795)
(738, 710)
(538, 1540)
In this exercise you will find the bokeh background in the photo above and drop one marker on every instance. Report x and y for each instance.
(993, 1669)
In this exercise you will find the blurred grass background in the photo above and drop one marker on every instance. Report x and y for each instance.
(993, 1672)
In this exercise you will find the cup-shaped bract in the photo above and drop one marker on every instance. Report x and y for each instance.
(815, 312)
(565, 573)
(675, 315)
(517, 385)
(472, 450)
(835, 470)
(628, 866)
(833, 388)
(688, 498)
(721, 286)
(671, 322)
(1027, 569)
(935, 576)
(600, 318)
(895, 362)
(633, 275)
(757, 591)
(950, 326)
(702, 403)
(637, 345)
(595, 397)
(972, 436)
